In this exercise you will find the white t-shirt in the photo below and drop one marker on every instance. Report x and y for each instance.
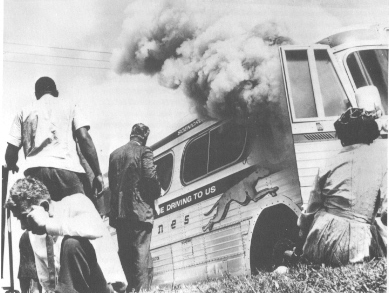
(45, 130)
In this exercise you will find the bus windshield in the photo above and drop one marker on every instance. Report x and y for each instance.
(370, 67)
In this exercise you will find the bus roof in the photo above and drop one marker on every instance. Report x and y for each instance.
(177, 133)
(352, 35)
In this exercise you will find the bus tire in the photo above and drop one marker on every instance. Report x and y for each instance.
(275, 232)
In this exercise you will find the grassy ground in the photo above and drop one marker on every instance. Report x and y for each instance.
(367, 277)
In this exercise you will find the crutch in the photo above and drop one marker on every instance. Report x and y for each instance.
(3, 219)
(11, 289)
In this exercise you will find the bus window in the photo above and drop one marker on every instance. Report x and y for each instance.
(370, 67)
(213, 150)
(196, 158)
(334, 98)
(226, 145)
(314, 88)
(165, 171)
(300, 84)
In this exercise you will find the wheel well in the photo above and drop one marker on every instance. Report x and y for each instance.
(274, 224)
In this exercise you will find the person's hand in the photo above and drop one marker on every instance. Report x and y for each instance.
(34, 286)
(382, 123)
(303, 234)
(37, 220)
(14, 169)
(384, 217)
(98, 184)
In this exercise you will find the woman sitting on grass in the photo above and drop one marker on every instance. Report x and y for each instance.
(338, 221)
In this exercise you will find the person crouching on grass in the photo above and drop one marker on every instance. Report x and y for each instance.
(73, 249)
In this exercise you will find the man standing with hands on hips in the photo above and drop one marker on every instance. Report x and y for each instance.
(134, 187)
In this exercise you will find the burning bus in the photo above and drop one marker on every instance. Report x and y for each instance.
(233, 186)
(233, 191)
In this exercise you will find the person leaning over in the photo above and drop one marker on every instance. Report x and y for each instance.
(73, 249)
(46, 129)
(134, 187)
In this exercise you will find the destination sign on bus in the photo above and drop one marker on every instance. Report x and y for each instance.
(189, 126)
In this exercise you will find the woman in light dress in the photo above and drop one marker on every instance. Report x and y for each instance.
(339, 221)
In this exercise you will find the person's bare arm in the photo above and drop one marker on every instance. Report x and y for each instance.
(11, 157)
(14, 143)
(88, 150)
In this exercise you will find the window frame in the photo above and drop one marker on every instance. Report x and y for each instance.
(207, 132)
(358, 49)
(172, 176)
(314, 78)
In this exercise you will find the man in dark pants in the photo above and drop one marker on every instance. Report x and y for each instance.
(134, 187)
(72, 228)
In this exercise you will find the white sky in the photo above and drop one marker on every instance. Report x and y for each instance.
(34, 30)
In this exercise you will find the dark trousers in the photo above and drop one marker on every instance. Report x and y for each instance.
(79, 271)
(134, 252)
(60, 182)
(27, 271)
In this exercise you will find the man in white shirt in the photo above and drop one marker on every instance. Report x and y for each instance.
(47, 129)
(73, 249)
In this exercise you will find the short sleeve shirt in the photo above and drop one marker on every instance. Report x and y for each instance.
(45, 130)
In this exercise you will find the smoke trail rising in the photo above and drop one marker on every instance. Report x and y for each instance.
(226, 64)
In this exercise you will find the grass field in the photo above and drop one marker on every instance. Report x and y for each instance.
(366, 277)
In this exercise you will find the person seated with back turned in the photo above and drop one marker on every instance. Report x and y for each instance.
(73, 249)
(338, 222)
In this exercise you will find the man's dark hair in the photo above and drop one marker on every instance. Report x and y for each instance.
(45, 85)
(27, 192)
(356, 126)
(140, 131)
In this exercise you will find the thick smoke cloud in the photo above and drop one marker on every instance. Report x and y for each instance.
(228, 65)
(149, 40)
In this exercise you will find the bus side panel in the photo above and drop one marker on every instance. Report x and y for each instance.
(209, 255)
(222, 245)
(196, 253)
(179, 233)
(311, 156)
(163, 266)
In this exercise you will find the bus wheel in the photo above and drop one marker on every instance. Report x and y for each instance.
(282, 245)
(275, 232)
